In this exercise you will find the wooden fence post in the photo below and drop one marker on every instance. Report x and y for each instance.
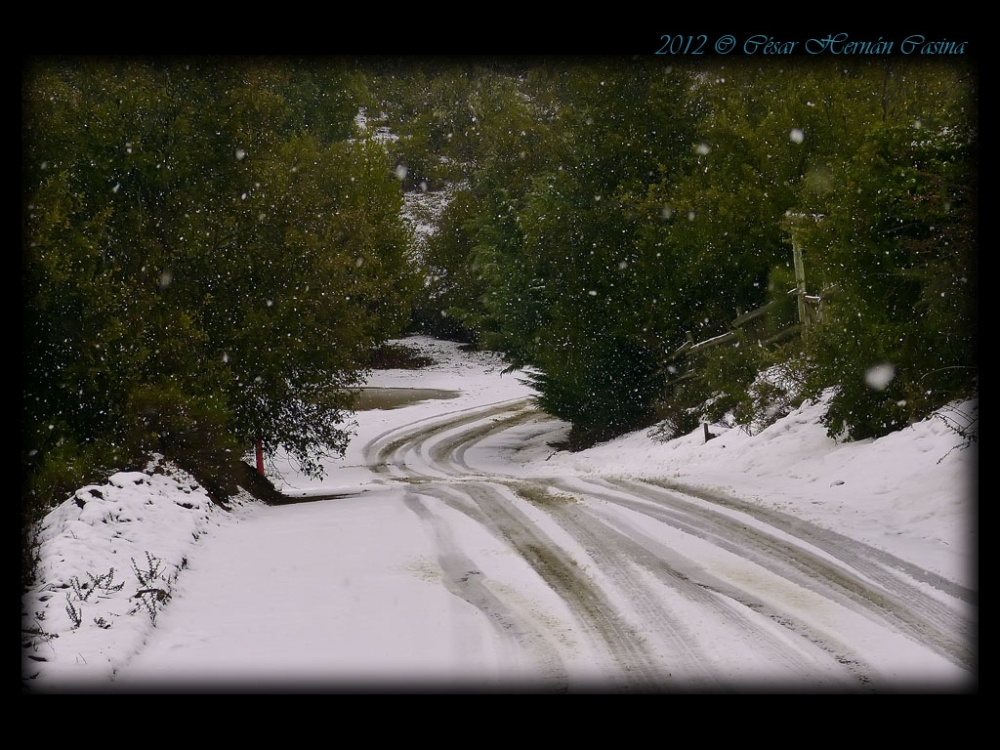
(800, 281)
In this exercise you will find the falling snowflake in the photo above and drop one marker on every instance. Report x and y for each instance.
(879, 376)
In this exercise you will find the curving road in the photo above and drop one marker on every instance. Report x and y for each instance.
(673, 588)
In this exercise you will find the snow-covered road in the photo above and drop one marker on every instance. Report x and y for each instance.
(673, 589)
(464, 555)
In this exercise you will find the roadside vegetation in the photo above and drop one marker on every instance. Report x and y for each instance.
(214, 252)
(610, 213)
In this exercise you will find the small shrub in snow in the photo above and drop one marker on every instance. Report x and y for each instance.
(104, 582)
(75, 613)
(154, 589)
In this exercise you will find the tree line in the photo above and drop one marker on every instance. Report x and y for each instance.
(212, 252)
(605, 210)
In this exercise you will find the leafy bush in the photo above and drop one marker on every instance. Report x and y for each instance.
(605, 389)
(192, 230)
(178, 424)
(898, 340)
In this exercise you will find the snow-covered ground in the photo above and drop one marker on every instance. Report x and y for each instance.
(145, 583)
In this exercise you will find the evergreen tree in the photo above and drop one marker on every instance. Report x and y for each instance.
(898, 240)
(208, 260)
(563, 259)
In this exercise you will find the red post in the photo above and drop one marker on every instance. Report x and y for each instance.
(260, 458)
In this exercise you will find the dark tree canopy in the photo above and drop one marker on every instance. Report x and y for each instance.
(609, 208)
(211, 253)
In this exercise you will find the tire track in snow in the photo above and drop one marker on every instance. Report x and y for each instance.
(822, 537)
(614, 562)
(451, 452)
(618, 550)
(865, 581)
(688, 576)
(871, 578)
(388, 451)
(597, 615)
(463, 579)
(849, 572)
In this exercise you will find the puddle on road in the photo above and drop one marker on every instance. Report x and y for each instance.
(394, 398)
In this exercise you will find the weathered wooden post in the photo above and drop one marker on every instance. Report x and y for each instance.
(800, 280)
(794, 224)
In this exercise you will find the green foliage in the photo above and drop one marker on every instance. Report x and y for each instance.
(168, 420)
(783, 300)
(663, 205)
(575, 384)
(416, 165)
(208, 260)
(742, 382)
(450, 302)
(899, 239)
(726, 376)
(575, 284)
(322, 96)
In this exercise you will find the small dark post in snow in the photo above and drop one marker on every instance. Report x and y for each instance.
(260, 458)
(708, 435)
